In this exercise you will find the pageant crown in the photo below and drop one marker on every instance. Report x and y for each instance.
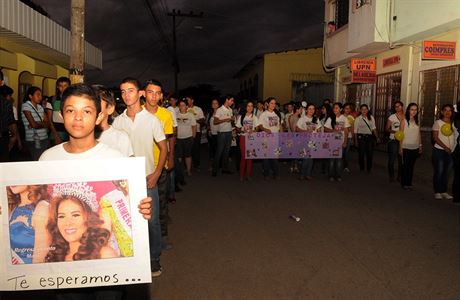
(80, 190)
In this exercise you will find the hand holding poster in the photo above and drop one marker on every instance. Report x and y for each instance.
(73, 224)
(263, 145)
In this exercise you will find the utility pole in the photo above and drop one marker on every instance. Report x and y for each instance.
(175, 14)
(77, 41)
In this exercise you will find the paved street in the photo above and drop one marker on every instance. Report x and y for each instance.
(363, 238)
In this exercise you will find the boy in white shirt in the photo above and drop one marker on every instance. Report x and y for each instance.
(223, 118)
(81, 110)
(144, 129)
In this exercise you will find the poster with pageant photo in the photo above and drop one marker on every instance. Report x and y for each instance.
(71, 224)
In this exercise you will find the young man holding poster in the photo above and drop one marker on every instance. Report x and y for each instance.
(144, 129)
(81, 110)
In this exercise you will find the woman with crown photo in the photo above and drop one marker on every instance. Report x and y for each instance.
(75, 226)
(29, 210)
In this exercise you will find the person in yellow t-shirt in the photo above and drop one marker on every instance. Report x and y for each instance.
(153, 98)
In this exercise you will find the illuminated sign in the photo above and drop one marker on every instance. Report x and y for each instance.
(363, 70)
(438, 50)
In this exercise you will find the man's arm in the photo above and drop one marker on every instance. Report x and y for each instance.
(153, 178)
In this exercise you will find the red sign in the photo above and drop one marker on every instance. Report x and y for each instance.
(438, 50)
(394, 60)
(363, 70)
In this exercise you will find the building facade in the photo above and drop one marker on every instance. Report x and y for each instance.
(35, 50)
(383, 51)
(288, 75)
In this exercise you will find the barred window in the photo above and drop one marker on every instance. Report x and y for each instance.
(341, 13)
(438, 87)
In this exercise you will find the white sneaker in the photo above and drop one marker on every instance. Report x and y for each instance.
(447, 196)
(437, 196)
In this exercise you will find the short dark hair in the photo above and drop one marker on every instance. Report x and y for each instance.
(104, 94)
(63, 79)
(1, 75)
(30, 91)
(153, 82)
(131, 80)
(82, 90)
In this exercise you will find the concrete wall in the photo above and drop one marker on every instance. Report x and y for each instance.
(368, 25)
(32, 71)
(419, 19)
(279, 66)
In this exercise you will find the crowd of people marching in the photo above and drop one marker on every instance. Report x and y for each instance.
(168, 131)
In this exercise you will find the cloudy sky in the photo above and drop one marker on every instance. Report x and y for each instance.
(210, 50)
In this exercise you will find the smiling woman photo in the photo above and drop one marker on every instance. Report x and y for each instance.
(75, 227)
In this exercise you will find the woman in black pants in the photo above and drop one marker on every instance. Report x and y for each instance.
(411, 145)
(365, 131)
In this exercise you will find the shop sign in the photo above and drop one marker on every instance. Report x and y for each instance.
(438, 50)
(393, 60)
(363, 70)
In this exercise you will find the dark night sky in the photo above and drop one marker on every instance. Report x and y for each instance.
(233, 31)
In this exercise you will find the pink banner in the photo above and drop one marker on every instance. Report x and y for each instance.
(261, 145)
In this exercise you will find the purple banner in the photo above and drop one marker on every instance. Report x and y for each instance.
(261, 145)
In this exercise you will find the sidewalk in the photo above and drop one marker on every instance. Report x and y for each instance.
(423, 172)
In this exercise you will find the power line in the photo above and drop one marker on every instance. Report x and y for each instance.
(156, 22)
(175, 14)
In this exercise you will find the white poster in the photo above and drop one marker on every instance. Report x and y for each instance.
(71, 224)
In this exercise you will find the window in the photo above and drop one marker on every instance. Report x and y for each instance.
(387, 93)
(341, 13)
(438, 87)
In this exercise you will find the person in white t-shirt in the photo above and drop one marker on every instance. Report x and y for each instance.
(114, 138)
(144, 129)
(186, 132)
(246, 123)
(223, 118)
(270, 122)
(339, 124)
(201, 123)
(365, 136)
(442, 151)
(392, 126)
(81, 112)
(411, 146)
(260, 108)
(307, 123)
(212, 131)
(348, 109)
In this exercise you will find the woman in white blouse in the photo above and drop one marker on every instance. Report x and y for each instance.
(411, 146)
(365, 132)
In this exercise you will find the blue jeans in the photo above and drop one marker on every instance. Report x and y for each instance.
(154, 225)
(335, 167)
(442, 162)
(224, 142)
(307, 166)
(171, 193)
